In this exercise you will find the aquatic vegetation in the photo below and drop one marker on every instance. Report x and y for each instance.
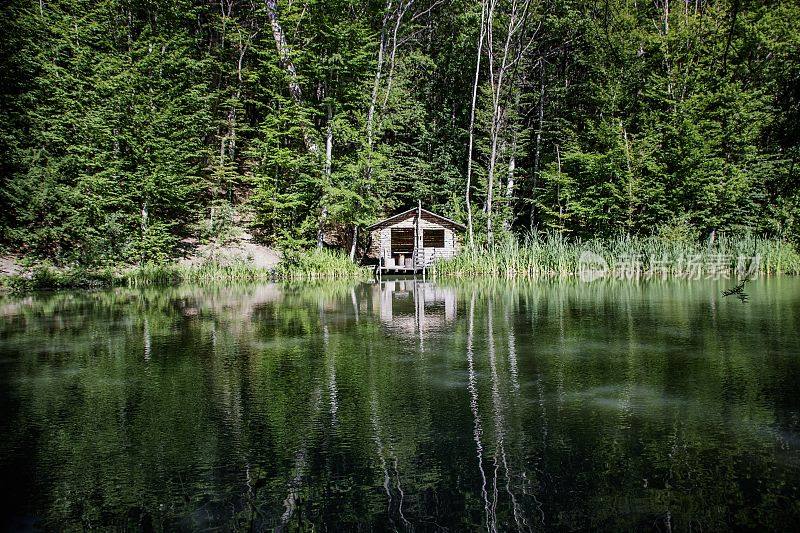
(208, 272)
(319, 263)
(46, 277)
(628, 257)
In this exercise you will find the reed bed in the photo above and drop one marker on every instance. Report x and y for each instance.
(206, 273)
(319, 264)
(553, 255)
(546, 256)
(296, 265)
(316, 264)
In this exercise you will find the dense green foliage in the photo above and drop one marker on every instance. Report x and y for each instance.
(129, 128)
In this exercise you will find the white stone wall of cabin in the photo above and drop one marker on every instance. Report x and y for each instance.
(374, 250)
(381, 239)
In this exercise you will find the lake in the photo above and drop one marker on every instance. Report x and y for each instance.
(462, 406)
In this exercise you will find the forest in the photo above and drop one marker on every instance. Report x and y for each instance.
(129, 128)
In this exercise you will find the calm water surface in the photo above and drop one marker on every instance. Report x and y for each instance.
(402, 406)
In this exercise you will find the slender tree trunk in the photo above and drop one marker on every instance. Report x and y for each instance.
(630, 173)
(537, 151)
(284, 54)
(667, 63)
(323, 216)
(375, 88)
(479, 53)
(329, 140)
(490, 186)
(516, 23)
(512, 164)
(354, 244)
(734, 13)
(144, 216)
(328, 165)
(401, 11)
(558, 191)
(144, 223)
(373, 102)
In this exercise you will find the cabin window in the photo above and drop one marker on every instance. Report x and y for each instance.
(402, 240)
(433, 238)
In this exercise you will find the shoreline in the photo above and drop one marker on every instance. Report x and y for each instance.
(552, 256)
(315, 265)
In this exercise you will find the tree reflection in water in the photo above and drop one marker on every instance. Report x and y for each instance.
(402, 405)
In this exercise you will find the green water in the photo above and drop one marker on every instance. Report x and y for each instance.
(402, 406)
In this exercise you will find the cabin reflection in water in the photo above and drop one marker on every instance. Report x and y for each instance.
(413, 306)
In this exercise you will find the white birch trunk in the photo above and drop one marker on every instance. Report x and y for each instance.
(354, 244)
(374, 98)
(284, 53)
(401, 11)
(511, 47)
(630, 172)
(558, 191)
(482, 34)
(327, 174)
(538, 148)
(512, 165)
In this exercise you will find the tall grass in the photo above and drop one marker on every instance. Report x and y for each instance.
(316, 264)
(206, 273)
(319, 264)
(47, 277)
(553, 255)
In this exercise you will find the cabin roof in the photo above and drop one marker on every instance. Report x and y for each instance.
(394, 219)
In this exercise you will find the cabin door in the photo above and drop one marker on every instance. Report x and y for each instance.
(403, 246)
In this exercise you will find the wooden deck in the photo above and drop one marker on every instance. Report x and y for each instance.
(419, 264)
(399, 269)
(416, 268)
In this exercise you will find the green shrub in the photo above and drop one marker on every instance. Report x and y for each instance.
(220, 225)
(45, 277)
(318, 263)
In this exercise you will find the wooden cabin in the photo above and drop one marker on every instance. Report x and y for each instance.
(411, 241)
